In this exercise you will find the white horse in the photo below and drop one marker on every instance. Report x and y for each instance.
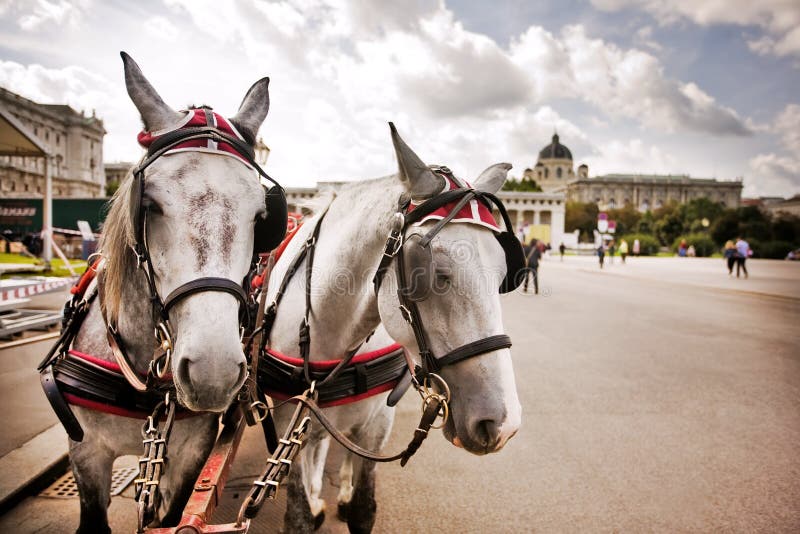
(484, 409)
(201, 207)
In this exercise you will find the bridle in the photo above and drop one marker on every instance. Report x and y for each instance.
(395, 248)
(164, 334)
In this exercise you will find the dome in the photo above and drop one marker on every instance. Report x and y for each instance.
(555, 150)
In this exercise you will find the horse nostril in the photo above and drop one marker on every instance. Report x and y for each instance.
(183, 371)
(487, 432)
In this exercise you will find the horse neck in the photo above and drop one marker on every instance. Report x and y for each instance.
(344, 309)
(135, 322)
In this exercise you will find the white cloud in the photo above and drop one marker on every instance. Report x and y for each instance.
(632, 156)
(780, 174)
(774, 175)
(44, 13)
(630, 83)
(780, 18)
(161, 28)
(84, 91)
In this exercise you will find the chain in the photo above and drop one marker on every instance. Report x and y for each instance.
(278, 465)
(151, 463)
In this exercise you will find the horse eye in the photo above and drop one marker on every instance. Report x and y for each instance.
(152, 206)
(444, 274)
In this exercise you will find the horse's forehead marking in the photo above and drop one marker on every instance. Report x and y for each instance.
(200, 206)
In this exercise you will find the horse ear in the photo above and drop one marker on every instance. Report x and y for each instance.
(156, 115)
(493, 178)
(420, 181)
(253, 110)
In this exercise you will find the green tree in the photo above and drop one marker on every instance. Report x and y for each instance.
(523, 184)
(581, 216)
(626, 218)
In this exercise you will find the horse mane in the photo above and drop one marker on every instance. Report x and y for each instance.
(115, 246)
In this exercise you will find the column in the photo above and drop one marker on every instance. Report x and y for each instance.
(536, 216)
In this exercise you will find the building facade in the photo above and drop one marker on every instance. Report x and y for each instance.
(651, 191)
(74, 141)
(539, 215)
(554, 174)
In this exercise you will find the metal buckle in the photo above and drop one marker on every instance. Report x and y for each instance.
(395, 241)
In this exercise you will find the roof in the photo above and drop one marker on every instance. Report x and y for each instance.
(555, 150)
(16, 139)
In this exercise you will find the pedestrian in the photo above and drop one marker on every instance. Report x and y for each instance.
(561, 249)
(612, 248)
(729, 253)
(533, 253)
(623, 250)
(691, 252)
(636, 247)
(742, 253)
(682, 249)
(601, 253)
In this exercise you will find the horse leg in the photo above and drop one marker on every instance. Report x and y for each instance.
(305, 510)
(190, 443)
(362, 508)
(91, 466)
(356, 500)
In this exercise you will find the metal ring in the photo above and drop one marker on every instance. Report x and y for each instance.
(258, 408)
(440, 382)
(444, 410)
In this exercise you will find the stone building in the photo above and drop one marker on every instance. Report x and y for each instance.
(554, 173)
(74, 141)
(540, 214)
(651, 191)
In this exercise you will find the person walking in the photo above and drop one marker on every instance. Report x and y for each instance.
(729, 253)
(636, 247)
(742, 252)
(623, 250)
(561, 249)
(601, 253)
(612, 248)
(533, 253)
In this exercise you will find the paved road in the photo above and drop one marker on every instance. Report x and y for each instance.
(651, 403)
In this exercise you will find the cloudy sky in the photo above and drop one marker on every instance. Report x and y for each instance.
(710, 88)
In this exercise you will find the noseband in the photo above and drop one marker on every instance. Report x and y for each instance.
(395, 245)
(160, 307)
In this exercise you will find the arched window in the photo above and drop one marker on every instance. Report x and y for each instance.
(611, 204)
(546, 172)
(558, 172)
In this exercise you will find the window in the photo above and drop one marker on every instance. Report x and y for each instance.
(546, 172)
(558, 172)
(611, 204)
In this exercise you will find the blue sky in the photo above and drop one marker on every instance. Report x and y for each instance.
(705, 88)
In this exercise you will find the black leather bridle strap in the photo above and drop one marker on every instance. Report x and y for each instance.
(475, 348)
(209, 283)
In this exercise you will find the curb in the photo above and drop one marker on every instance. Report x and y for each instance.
(32, 466)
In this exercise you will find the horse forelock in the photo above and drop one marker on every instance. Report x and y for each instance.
(115, 246)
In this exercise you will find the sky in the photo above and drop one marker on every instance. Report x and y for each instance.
(708, 88)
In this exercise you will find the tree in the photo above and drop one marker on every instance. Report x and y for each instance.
(626, 218)
(523, 184)
(581, 216)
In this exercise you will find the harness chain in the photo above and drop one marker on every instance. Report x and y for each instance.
(152, 462)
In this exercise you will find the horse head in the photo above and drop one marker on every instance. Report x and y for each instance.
(198, 207)
(455, 280)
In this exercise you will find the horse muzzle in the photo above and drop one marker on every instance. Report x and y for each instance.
(209, 386)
